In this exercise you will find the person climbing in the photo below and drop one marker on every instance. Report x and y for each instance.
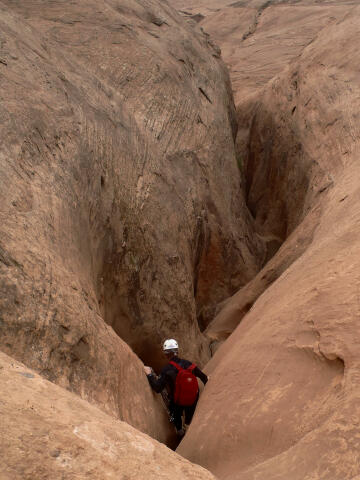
(179, 378)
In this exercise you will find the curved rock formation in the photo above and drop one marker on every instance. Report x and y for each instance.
(47, 432)
(283, 396)
(258, 38)
(121, 209)
(122, 221)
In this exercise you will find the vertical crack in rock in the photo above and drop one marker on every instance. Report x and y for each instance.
(260, 11)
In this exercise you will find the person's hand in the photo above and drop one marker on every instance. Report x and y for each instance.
(147, 370)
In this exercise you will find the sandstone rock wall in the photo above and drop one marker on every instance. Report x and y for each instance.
(282, 401)
(258, 38)
(47, 432)
(121, 210)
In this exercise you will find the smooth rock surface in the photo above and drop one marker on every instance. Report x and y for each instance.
(233, 309)
(48, 432)
(283, 398)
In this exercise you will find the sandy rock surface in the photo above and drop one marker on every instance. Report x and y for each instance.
(233, 309)
(123, 221)
(258, 38)
(282, 401)
(48, 432)
(120, 192)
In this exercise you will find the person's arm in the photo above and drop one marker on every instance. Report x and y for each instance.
(198, 373)
(157, 383)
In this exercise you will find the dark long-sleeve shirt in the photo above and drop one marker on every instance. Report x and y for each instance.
(168, 374)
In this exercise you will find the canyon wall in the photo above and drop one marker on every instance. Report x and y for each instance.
(282, 401)
(122, 217)
(48, 432)
(136, 204)
(258, 38)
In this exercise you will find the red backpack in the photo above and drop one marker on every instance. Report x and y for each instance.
(186, 385)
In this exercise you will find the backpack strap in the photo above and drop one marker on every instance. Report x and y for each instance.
(191, 368)
(176, 365)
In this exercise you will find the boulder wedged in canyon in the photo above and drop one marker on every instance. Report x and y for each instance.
(120, 193)
(48, 432)
(282, 401)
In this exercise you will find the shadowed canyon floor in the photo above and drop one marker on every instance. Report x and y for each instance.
(137, 203)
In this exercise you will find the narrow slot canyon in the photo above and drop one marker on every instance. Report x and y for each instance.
(154, 186)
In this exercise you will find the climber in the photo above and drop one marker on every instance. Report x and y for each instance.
(179, 378)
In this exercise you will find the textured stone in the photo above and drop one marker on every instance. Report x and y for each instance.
(282, 401)
(48, 432)
(120, 193)
(233, 309)
(259, 38)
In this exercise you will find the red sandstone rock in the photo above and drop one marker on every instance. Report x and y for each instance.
(282, 401)
(120, 194)
(47, 432)
(258, 38)
(236, 307)
(84, 210)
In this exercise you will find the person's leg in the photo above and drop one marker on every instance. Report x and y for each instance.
(189, 413)
(177, 414)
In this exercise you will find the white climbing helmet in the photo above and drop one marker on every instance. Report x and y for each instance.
(170, 345)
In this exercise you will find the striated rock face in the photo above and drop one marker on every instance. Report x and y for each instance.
(121, 213)
(258, 38)
(47, 432)
(122, 221)
(282, 401)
